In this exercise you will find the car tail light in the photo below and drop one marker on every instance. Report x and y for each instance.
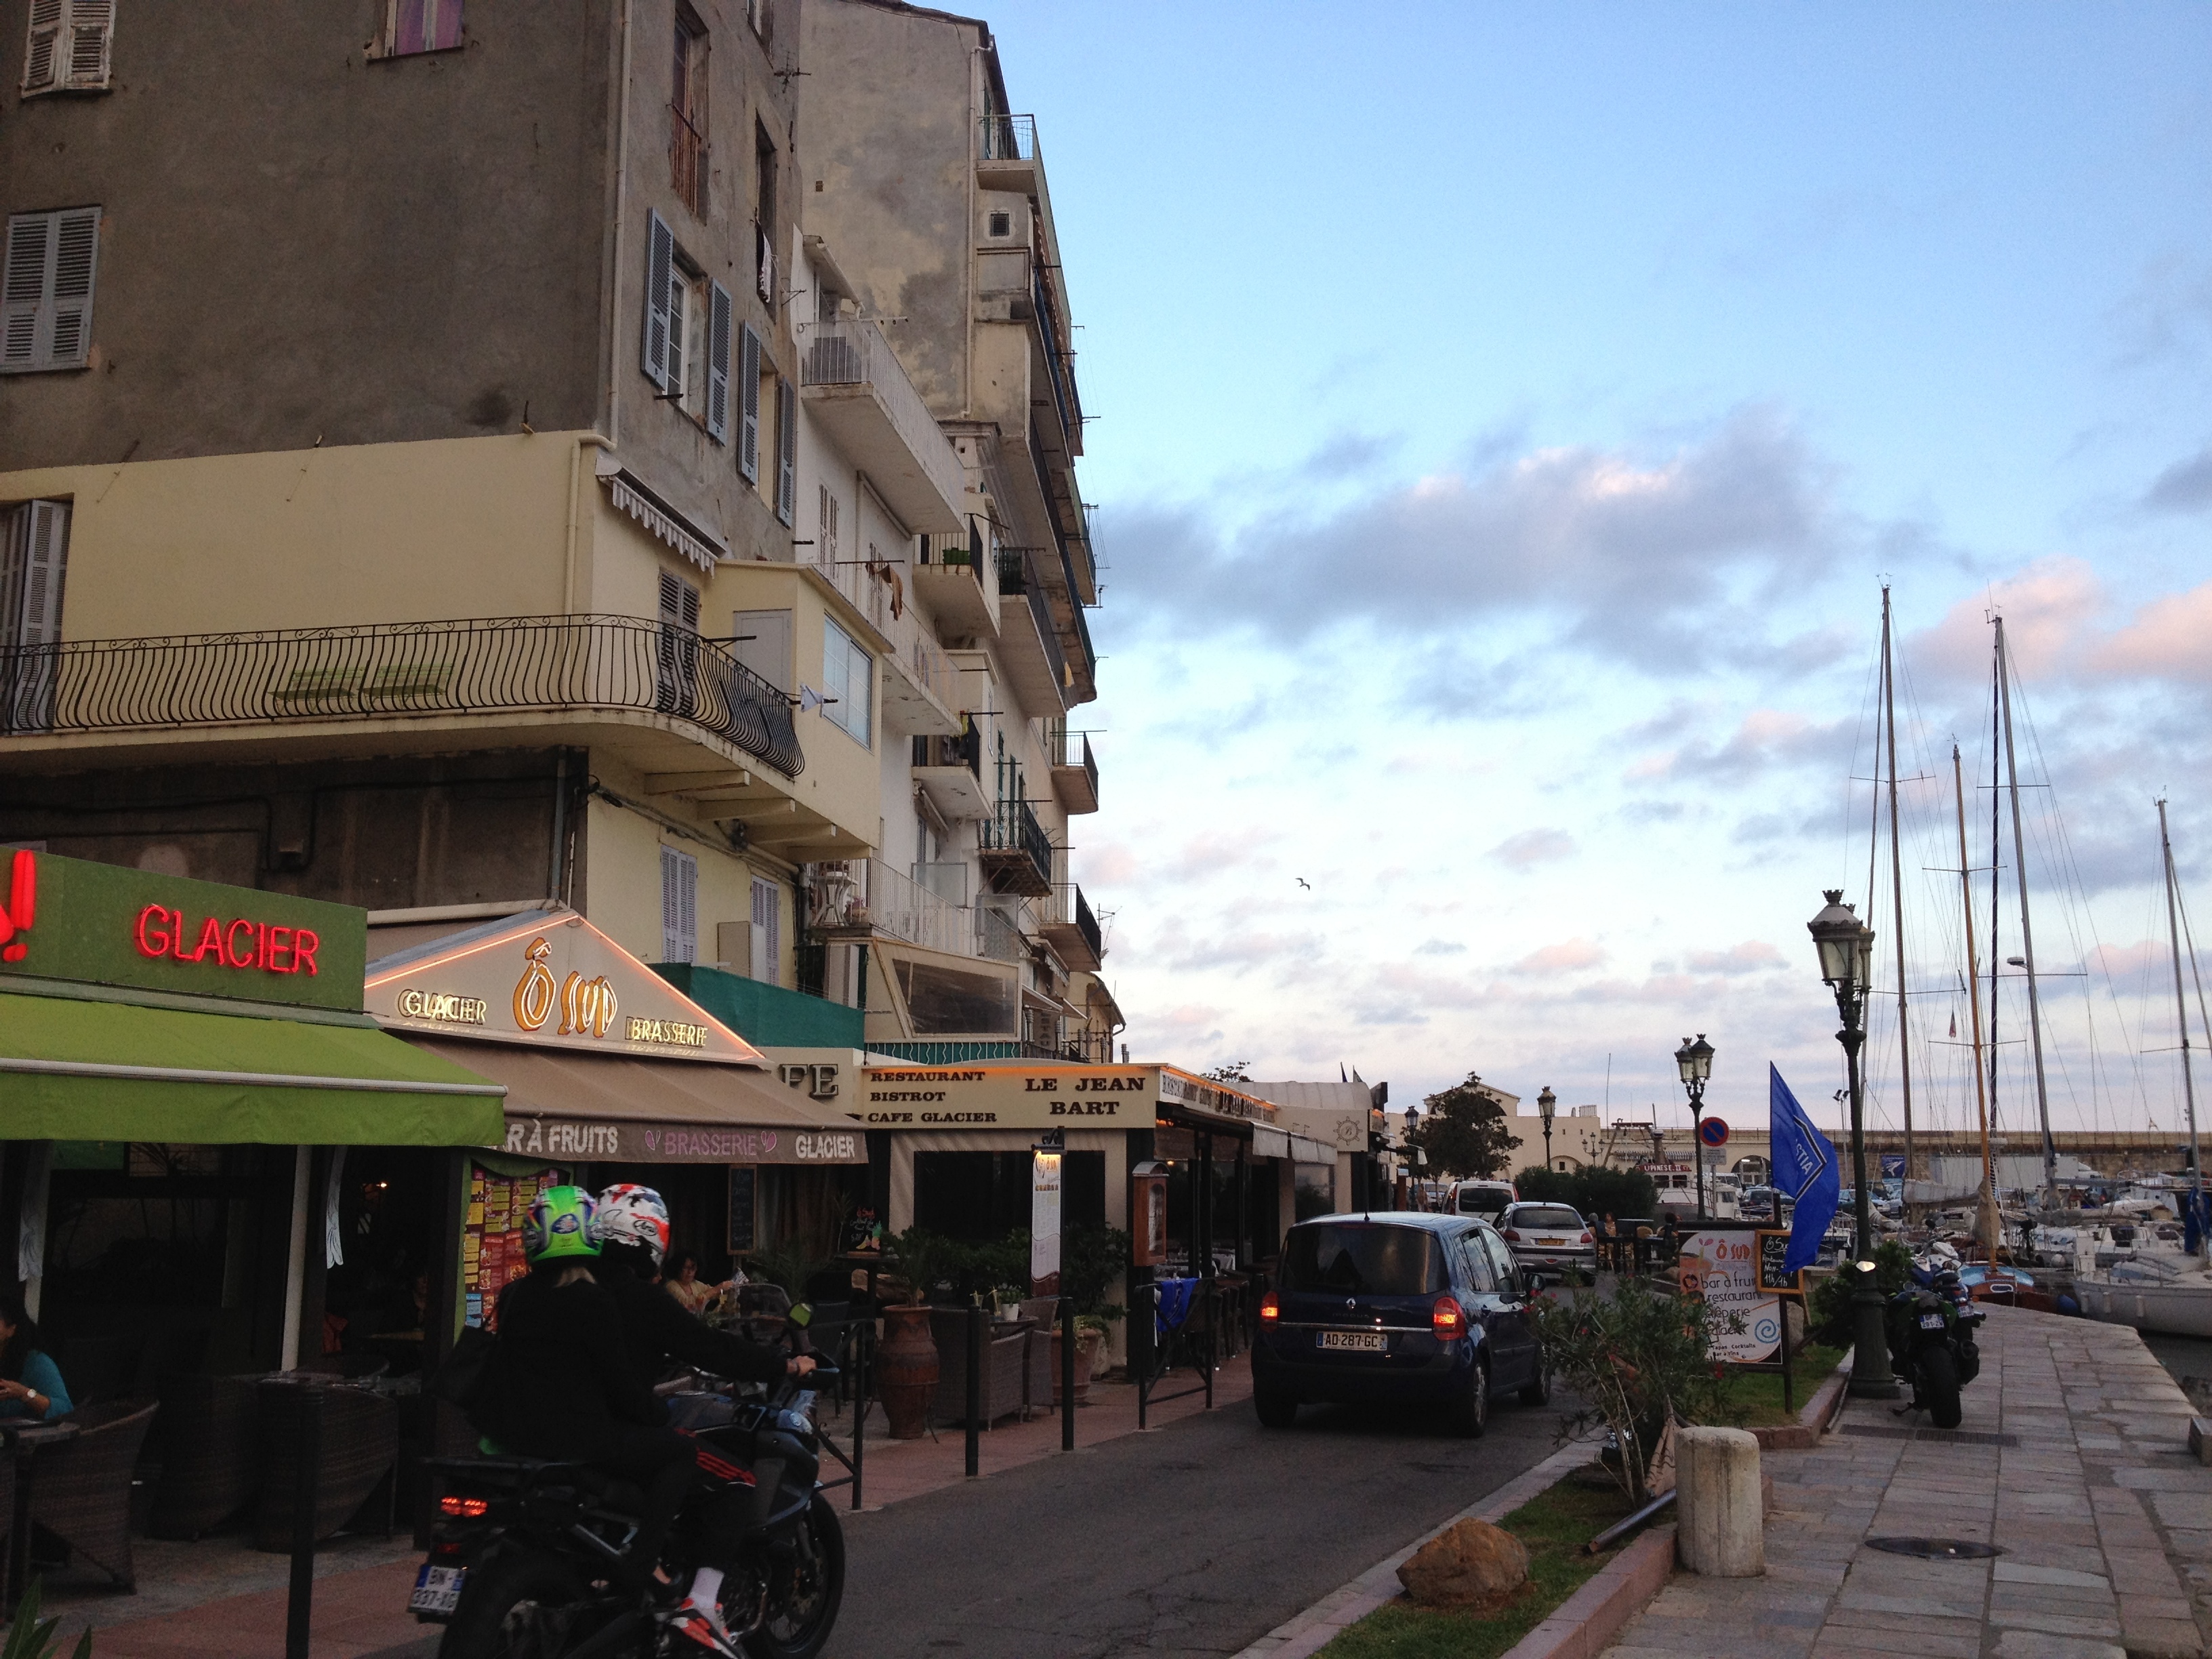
(468, 1508)
(1587, 1239)
(1448, 1319)
(1511, 1237)
(1271, 1307)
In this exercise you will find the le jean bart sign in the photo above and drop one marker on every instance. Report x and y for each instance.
(99, 924)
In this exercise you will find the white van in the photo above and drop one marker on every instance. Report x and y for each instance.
(1486, 1198)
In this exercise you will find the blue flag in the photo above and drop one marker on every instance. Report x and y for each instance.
(1804, 1167)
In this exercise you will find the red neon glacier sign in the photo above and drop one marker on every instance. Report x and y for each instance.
(243, 942)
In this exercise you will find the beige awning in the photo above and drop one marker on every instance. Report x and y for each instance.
(612, 1108)
(1280, 1143)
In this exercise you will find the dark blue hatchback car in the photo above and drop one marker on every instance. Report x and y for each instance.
(1396, 1309)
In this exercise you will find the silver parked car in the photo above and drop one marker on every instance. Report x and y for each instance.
(1549, 1238)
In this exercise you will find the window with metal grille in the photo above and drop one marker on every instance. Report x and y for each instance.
(71, 45)
(679, 905)
(45, 290)
(687, 148)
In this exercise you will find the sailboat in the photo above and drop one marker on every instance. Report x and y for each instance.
(2158, 1290)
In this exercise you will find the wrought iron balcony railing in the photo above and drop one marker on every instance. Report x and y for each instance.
(1013, 829)
(383, 670)
(1008, 137)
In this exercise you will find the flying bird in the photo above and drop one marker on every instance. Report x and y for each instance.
(1303, 883)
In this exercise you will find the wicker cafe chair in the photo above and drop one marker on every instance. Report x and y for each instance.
(210, 1454)
(1005, 1354)
(81, 1488)
(1037, 1375)
(360, 1447)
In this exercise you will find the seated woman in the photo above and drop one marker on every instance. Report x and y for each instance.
(30, 1382)
(681, 1281)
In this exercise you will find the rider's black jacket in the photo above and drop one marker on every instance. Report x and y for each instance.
(558, 1385)
(657, 1330)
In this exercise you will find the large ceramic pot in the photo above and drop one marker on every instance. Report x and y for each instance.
(906, 1371)
(1087, 1344)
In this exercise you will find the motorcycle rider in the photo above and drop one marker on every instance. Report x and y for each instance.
(559, 1385)
(630, 1224)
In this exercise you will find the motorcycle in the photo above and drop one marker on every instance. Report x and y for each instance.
(528, 1556)
(1931, 1327)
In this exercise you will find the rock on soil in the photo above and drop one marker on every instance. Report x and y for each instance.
(1468, 1563)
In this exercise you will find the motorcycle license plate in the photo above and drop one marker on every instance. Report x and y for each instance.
(437, 1589)
(1357, 1342)
(1931, 1322)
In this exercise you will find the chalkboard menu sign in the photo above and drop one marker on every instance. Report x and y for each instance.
(744, 1182)
(1773, 1251)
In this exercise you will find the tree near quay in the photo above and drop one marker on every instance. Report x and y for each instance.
(1464, 1132)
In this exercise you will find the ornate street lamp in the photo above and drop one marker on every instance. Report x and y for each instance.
(1846, 948)
(1695, 1062)
(1547, 1104)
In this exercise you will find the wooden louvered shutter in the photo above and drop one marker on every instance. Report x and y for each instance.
(38, 559)
(76, 251)
(23, 287)
(659, 268)
(718, 362)
(45, 566)
(91, 30)
(42, 58)
(748, 407)
(786, 451)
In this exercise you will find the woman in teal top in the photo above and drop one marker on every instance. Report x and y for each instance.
(30, 1382)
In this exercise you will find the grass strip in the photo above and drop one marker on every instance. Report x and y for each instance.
(1554, 1525)
(1758, 1394)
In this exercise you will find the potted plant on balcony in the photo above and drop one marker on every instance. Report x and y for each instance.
(906, 1366)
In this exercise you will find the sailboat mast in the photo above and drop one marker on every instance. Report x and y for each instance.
(1897, 887)
(2026, 929)
(1987, 1208)
(1997, 896)
(2180, 1004)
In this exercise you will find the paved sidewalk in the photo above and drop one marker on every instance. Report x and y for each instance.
(2073, 1460)
(222, 1598)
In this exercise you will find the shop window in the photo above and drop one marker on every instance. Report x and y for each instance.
(679, 905)
(848, 681)
(978, 1198)
(946, 1002)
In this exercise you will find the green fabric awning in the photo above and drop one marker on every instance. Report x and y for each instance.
(80, 1069)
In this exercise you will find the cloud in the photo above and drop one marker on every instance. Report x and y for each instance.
(1570, 955)
(1534, 846)
(1633, 553)
(2165, 640)
(1439, 947)
(2184, 487)
(1764, 739)
(1754, 956)
(2047, 606)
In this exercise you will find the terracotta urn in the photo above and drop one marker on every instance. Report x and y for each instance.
(906, 1370)
(1087, 1344)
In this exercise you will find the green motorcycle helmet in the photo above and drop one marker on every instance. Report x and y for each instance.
(559, 1226)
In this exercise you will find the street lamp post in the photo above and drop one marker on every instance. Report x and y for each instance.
(1846, 948)
(1695, 1062)
(1547, 1104)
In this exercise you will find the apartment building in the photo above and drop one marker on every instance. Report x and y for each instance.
(442, 475)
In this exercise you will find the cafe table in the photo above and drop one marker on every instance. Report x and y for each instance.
(22, 1442)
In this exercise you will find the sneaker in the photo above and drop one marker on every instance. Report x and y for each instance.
(704, 1625)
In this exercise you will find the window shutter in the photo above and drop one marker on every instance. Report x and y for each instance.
(748, 407)
(76, 251)
(659, 259)
(37, 552)
(23, 289)
(718, 363)
(42, 58)
(92, 27)
(767, 962)
(679, 905)
(786, 451)
(46, 564)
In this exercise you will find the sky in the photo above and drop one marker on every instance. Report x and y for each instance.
(1506, 419)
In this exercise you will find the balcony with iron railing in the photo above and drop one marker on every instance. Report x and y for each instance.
(439, 673)
(950, 771)
(1072, 931)
(1030, 641)
(859, 391)
(1016, 853)
(957, 578)
(1074, 767)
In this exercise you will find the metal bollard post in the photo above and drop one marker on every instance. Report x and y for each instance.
(975, 1390)
(307, 1450)
(1066, 1374)
(1151, 1304)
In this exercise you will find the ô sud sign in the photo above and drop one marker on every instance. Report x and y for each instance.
(102, 924)
(547, 978)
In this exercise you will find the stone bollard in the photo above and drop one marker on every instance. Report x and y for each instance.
(1722, 1529)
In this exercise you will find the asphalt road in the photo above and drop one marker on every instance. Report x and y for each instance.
(1197, 1539)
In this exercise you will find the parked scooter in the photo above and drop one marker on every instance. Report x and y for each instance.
(1931, 1327)
(528, 1556)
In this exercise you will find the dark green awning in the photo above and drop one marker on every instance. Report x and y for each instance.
(79, 1070)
